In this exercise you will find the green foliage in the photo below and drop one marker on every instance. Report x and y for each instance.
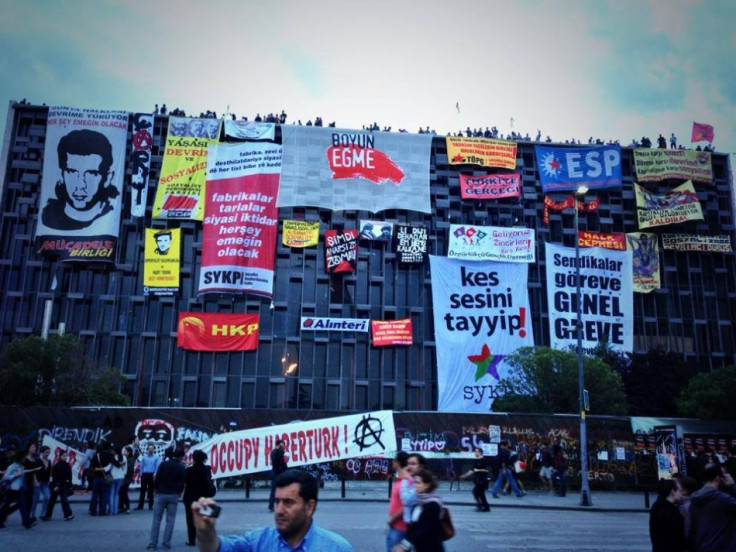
(710, 395)
(546, 380)
(56, 371)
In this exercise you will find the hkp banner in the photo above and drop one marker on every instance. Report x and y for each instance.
(481, 314)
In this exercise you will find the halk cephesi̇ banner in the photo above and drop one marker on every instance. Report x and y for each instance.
(565, 169)
(324, 440)
(81, 184)
(481, 151)
(240, 229)
(162, 258)
(490, 186)
(653, 165)
(481, 314)
(644, 249)
(343, 169)
(678, 205)
(181, 183)
(491, 243)
(209, 331)
(606, 298)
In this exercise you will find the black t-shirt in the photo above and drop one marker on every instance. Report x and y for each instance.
(278, 464)
(480, 477)
(29, 465)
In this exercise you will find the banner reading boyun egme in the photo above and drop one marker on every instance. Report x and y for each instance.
(342, 169)
(240, 226)
(81, 184)
(481, 314)
(606, 297)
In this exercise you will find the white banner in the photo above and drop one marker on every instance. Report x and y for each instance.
(75, 458)
(314, 323)
(491, 243)
(606, 297)
(326, 440)
(343, 169)
(249, 130)
(481, 314)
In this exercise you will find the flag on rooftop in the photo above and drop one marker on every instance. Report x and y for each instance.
(702, 133)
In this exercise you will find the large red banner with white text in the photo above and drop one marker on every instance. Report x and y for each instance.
(200, 331)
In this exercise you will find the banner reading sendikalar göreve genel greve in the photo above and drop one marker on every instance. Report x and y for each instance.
(81, 184)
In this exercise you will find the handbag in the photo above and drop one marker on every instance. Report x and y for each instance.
(211, 489)
(448, 529)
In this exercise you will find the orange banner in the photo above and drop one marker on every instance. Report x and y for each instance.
(481, 151)
(198, 331)
(392, 332)
(599, 239)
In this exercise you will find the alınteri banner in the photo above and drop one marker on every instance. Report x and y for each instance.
(605, 300)
(81, 184)
(481, 314)
(325, 440)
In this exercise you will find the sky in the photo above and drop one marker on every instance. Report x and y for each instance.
(617, 69)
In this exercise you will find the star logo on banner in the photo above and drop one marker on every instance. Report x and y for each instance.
(486, 363)
(458, 159)
(551, 166)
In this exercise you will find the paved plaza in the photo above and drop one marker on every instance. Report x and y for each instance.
(537, 522)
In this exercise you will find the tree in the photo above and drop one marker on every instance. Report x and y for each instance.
(56, 371)
(709, 395)
(546, 380)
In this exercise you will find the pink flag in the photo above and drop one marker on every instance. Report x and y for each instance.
(702, 133)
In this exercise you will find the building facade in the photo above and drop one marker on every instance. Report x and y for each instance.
(692, 313)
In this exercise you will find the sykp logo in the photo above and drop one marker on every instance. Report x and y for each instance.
(486, 363)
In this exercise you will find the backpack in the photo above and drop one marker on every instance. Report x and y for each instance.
(448, 530)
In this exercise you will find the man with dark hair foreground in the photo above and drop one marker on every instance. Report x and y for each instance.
(713, 512)
(295, 503)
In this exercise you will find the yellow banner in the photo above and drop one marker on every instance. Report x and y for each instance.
(297, 233)
(644, 261)
(678, 205)
(481, 151)
(161, 260)
(180, 192)
(660, 164)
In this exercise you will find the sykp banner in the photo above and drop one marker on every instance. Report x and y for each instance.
(342, 169)
(206, 331)
(341, 250)
(240, 227)
(75, 458)
(491, 243)
(481, 151)
(678, 205)
(141, 163)
(688, 242)
(298, 233)
(481, 314)
(410, 245)
(249, 130)
(566, 169)
(605, 300)
(161, 261)
(600, 239)
(644, 249)
(376, 230)
(305, 443)
(81, 184)
(315, 323)
(391, 332)
(657, 164)
(181, 182)
(490, 186)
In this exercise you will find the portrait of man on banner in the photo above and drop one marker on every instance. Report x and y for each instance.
(85, 190)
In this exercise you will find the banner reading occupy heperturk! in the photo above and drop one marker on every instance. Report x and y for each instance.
(342, 169)
(481, 314)
(81, 184)
(240, 227)
(305, 443)
(606, 297)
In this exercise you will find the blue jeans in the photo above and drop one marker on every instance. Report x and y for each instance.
(41, 494)
(393, 538)
(505, 475)
(162, 502)
(115, 496)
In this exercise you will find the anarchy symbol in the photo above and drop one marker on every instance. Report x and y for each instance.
(367, 428)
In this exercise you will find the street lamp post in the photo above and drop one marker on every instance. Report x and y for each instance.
(585, 498)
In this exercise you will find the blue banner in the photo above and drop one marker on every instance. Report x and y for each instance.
(565, 169)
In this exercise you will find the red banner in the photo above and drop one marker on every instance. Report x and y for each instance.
(490, 186)
(702, 133)
(392, 332)
(599, 239)
(341, 250)
(199, 331)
